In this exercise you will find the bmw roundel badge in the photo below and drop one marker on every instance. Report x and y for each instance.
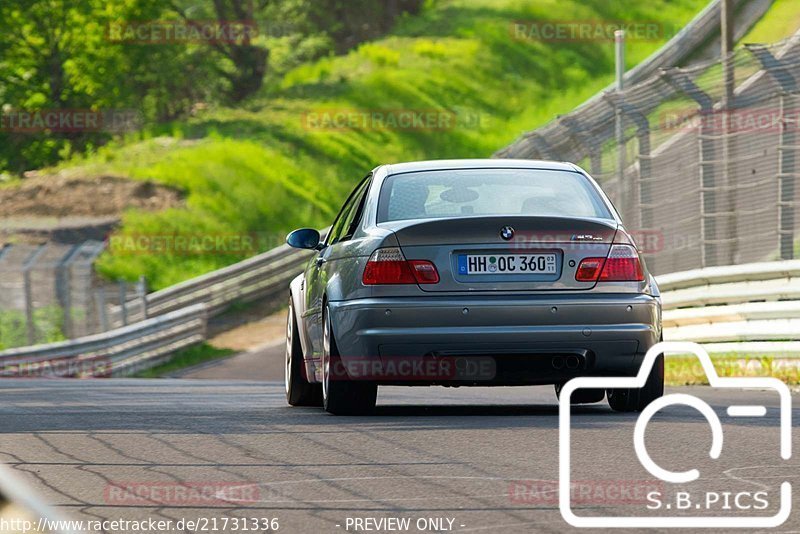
(507, 233)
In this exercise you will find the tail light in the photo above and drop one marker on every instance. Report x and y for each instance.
(622, 265)
(389, 266)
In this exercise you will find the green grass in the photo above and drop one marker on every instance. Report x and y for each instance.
(687, 371)
(257, 169)
(14, 330)
(187, 357)
(782, 20)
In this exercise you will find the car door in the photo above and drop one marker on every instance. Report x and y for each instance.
(317, 272)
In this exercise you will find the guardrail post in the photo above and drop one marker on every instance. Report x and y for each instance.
(781, 73)
(708, 223)
(141, 289)
(204, 322)
(123, 305)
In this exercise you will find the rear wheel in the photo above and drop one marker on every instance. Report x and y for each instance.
(339, 395)
(299, 392)
(583, 395)
(636, 400)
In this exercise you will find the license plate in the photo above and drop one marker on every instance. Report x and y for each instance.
(506, 264)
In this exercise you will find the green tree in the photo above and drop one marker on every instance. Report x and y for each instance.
(247, 56)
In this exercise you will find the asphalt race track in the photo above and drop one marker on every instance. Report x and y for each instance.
(429, 453)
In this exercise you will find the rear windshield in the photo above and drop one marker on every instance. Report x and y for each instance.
(466, 192)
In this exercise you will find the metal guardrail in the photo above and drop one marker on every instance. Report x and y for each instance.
(257, 277)
(172, 319)
(119, 352)
(752, 308)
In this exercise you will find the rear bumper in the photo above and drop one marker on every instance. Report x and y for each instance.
(523, 334)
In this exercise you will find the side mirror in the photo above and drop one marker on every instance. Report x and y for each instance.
(306, 238)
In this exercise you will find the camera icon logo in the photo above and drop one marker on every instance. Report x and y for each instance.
(715, 381)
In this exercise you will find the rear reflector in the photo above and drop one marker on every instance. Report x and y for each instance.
(622, 265)
(389, 266)
(424, 271)
(589, 269)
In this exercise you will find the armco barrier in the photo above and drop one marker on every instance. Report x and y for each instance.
(176, 318)
(750, 309)
(119, 352)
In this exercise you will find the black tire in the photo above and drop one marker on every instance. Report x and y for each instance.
(623, 400)
(341, 396)
(636, 400)
(583, 395)
(299, 392)
(654, 387)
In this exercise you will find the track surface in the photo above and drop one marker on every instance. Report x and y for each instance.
(427, 453)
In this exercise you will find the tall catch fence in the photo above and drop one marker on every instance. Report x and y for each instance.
(699, 181)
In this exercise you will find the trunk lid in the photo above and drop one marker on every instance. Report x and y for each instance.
(472, 256)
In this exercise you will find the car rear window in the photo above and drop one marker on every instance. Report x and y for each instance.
(467, 192)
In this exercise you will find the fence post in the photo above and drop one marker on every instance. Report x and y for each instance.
(781, 73)
(728, 103)
(619, 134)
(102, 314)
(538, 147)
(26, 281)
(588, 141)
(643, 136)
(708, 207)
(63, 289)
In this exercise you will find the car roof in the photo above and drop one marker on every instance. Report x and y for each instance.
(446, 164)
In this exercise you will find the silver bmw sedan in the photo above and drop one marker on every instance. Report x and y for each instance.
(470, 273)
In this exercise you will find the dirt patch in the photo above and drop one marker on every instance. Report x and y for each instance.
(252, 334)
(102, 196)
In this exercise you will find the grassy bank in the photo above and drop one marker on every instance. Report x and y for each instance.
(186, 358)
(269, 166)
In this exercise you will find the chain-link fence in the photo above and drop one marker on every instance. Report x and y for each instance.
(700, 183)
(51, 291)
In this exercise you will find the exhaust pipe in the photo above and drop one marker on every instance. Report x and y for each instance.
(557, 362)
(573, 362)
